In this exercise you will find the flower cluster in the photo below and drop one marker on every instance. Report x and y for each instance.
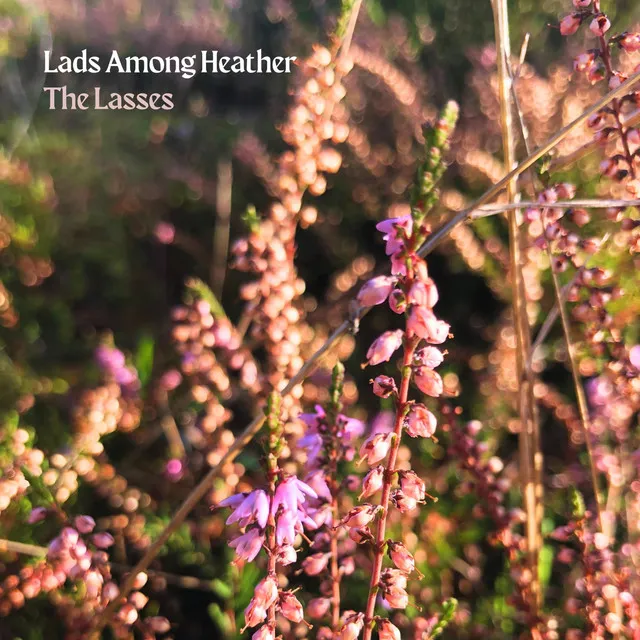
(410, 292)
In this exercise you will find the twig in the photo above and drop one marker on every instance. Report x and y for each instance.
(250, 431)
(586, 203)
(526, 409)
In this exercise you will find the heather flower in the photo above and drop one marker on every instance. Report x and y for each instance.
(429, 357)
(352, 627)
(384, 386)
(38, 514)
(254, 508)
(360, 516)
(420, 422)
(570, 24)
(318, 607)
(375, 291)
(429, 381)
(423, 323)
(290, 607)
(248, 545)
(372, 482)
(291, 493)
(384, 347)
(630, 42)
(376, 447)
(388, 631)
(84, 524)
(412, 486)
(314, 564)
(600, 25)
(401, 557)
(394, 231)
(398, 301)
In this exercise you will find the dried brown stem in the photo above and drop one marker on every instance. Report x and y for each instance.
(528, 437)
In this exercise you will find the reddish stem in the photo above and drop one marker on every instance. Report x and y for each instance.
(380, 542)
(615, 104)
(335, 569)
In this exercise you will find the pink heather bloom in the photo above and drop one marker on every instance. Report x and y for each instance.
(376, 291)
(314, 564)
(291, 493)
(429, 382)
(420, 422)
(254, 508)
(581, 4)
(376, 447)
(352, 627)
(38, 514)
(318, 608)
(600, 25)
(158, 624)
(248, 545)
(388, 631)
(394, 231)
(398, 301)
(84, 524)
(266, 592)
(316, 480)
(384, 347)
(286, 555)
(412, 486)
(290, 607)
(384, 386)
(402, 502)
(350, 428)
(430, 357)
(423, 294)
(360, 516)
(254, 614)
(286, 528)
(264, 633)
(401, 557)
(630, 42)
(372, 482)
(396, 598)
(423, 323)
(570, 24)
(103, 540)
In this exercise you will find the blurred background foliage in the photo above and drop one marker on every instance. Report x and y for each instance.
(82, 194)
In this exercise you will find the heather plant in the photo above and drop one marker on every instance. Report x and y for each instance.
(373, 371)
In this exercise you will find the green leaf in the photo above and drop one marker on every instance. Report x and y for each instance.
(545, 564)
(143, 360)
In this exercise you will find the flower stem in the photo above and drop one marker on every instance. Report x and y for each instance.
(380, 543)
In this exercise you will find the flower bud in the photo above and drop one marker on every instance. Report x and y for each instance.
(384, 347)
(84, 524)
(315, 564)
(600, 25)
(352, 627)
(401, 557)
(420, 422)
(290, 607)
(429, 382)
(372, 482)
(384, 386)
(569, 24)
(375, 291)
(388, 631)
